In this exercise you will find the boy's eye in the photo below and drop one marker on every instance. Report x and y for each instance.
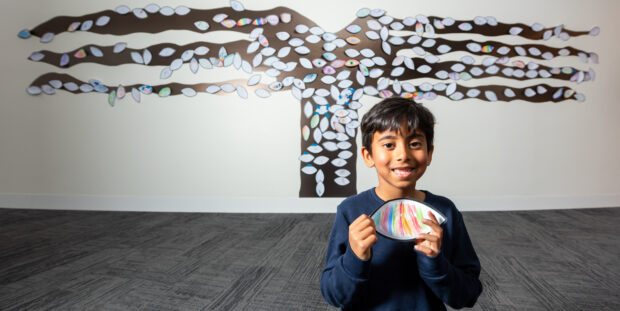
(388, 145)
(416, 144)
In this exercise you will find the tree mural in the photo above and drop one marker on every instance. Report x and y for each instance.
(326, 72)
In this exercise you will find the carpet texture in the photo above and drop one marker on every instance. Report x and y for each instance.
(87, 260)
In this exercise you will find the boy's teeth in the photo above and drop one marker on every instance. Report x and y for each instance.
(403, 171)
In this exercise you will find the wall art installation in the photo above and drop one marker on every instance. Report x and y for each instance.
(326, 72)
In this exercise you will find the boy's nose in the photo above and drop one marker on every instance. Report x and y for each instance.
(402, 153)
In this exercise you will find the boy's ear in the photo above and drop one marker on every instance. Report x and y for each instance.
(367, 157)
(430, 155)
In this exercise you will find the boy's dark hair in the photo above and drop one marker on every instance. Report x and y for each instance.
(390, 113)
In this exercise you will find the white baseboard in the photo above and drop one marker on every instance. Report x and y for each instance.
(280, 204)
(170, 204)
(517, 203)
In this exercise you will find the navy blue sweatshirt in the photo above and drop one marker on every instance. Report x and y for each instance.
(397, 277)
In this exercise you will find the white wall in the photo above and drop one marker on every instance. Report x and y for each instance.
(222, 153)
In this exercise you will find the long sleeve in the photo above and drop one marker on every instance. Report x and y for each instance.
(396, 277)
(454, 277)
(345, 274)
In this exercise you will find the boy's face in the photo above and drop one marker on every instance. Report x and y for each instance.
(400, 158)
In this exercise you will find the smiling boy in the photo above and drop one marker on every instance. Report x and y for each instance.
(364, 270)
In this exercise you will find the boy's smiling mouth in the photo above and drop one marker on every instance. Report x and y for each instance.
(403, 172)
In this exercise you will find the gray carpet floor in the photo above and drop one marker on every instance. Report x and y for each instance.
(77, 260)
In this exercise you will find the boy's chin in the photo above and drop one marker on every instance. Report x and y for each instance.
(403, 186)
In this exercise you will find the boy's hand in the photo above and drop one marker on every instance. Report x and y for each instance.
(430, 244)
(362, 236)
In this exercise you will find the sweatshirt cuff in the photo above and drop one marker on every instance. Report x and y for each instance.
(355, 266)
(437, 266)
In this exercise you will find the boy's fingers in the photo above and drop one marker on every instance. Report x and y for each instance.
(364, 233)
(432, 217)
(363, 220)
(359, 219)
(364, 244)
(371, 240)
(428, 237)
(361, 223)
(362, 236)
(425, 250)
(367, 223)
(435, 227)
(431, 221)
